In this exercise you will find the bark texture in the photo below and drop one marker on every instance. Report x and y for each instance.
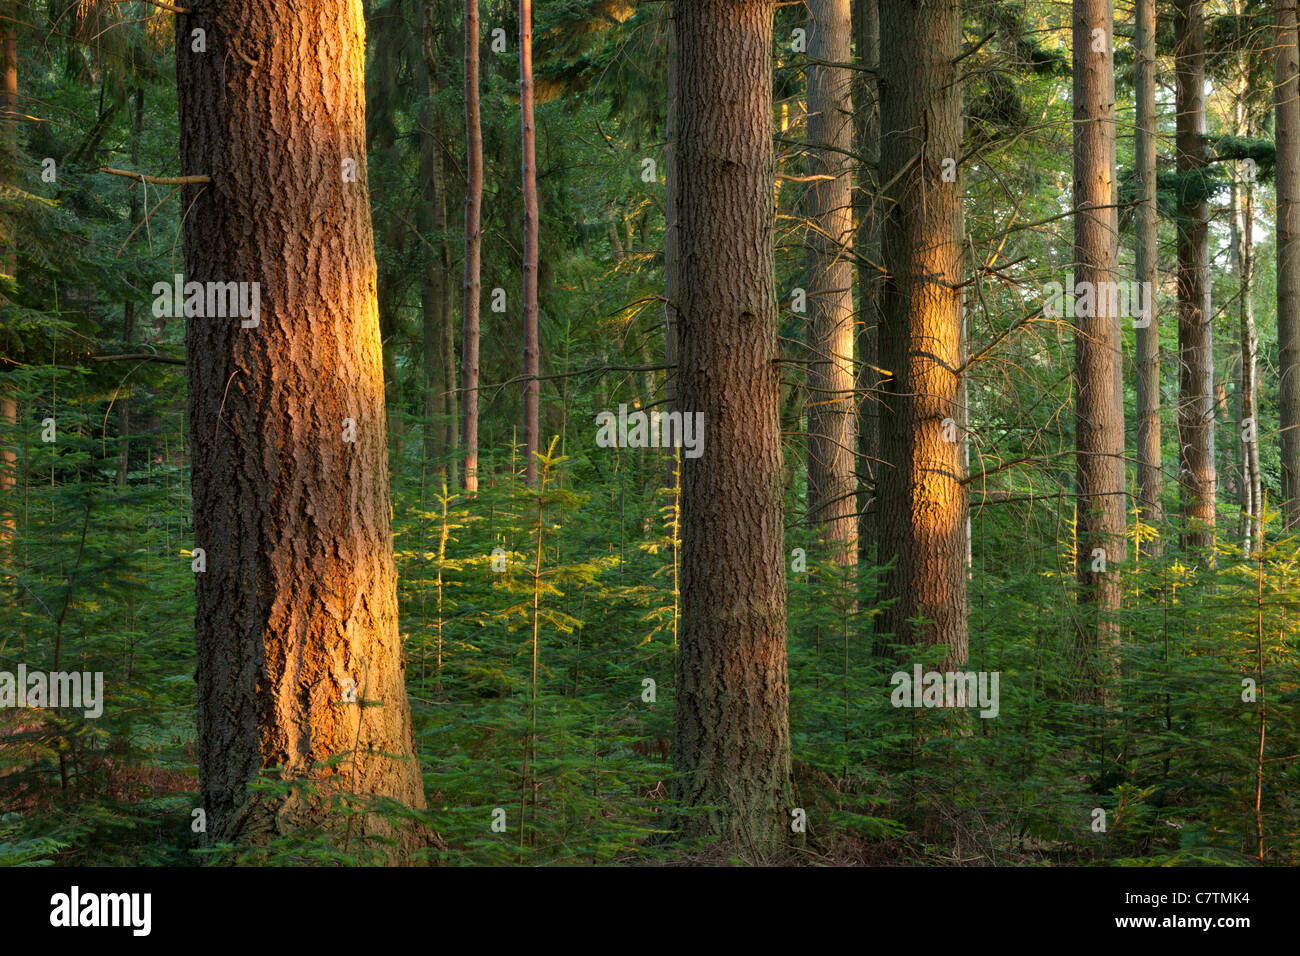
(1099, 410)
(1196, 471)
(532, 387)
(1149, 463)
(832, 425)
(299, 656)
(923, 501)
(731, 739)
(473, 251)
(1287, 126)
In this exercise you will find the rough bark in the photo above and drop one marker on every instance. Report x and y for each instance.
(1243, 259)
(473, 251)
(731, 738)
(298, 603)
(532, 387)
(923, 500)
(1149, 478)
(866, 133)
(1196, 470)
(832, 426)
(1287, 126)
(1099, 414)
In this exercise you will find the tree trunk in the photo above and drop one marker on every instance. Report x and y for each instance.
(8, 266)
(532, 387)
(1196, 473)
(1243, 256)
(923, 500)
(671, 284)
(832, 429)
(473, 250)
(432, 300)
(866, 39)
(1150, 480)
(128, 309)
(731, 738)
(1287, 105)
(297, 609)
(1098, 412)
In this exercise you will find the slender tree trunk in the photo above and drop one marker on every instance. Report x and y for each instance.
(1196, 472)
(1099, 416)
(128, 310)
(1243, 255)
(1150, 482)
(1287, 123)
(671, 285)
(532, 387)
(731, 738)
(832, 429)
(473, 248)
(923, 499)
(299, 654)
(866, 39)
(8, 265)
(432, 300)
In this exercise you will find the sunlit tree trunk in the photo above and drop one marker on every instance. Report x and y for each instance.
(923, 499)
(1196, 472)
(1150, 480)
(473, 251)
(8, 262)
(731, 738)
(832, 429)
(1099, 413)
(299, 655)
(1287, 124)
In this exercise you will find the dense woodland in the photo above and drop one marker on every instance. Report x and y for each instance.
(480, 432)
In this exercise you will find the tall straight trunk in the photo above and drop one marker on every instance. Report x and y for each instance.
(832, 426)
(1196, 473)
(8, 265)
(1149, 477)
(1287, 125)
(731, 745)
(923, 498)
(441, 416)
(473, 251)
(671, 285)
(432, 300)
(299, 654)
(866, 134)
(128, 310)
(1098, 414)
(1243, 255)
(532, 387)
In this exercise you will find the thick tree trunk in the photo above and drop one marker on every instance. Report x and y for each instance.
(1287, 122)
(1150, 480)
(1098, 411)
(1196, 472)
(832, 429)
(866, 133)
(923, 500)
(299, 655)
(731, 739)
(532, 387)
(473, 251)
